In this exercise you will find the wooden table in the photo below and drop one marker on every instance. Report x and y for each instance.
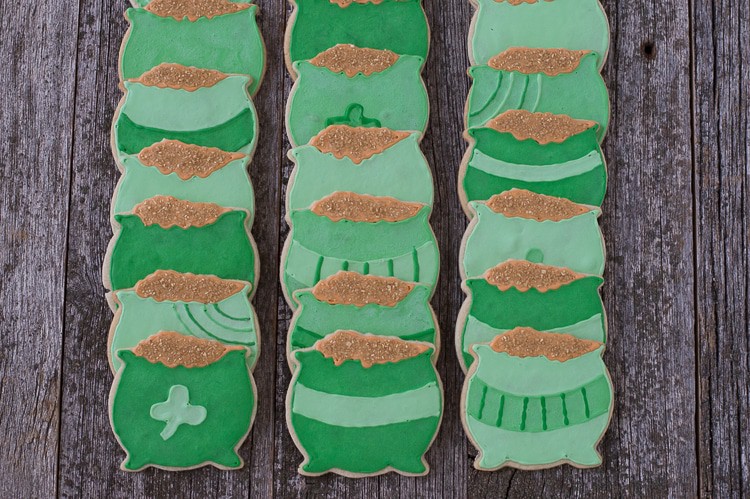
(676, 282)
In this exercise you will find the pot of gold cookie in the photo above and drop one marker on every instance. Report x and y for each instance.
(535, 400)
(361, 405)
(180, 402)
(348, 85)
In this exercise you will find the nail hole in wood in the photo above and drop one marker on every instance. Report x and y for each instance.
(648, 49)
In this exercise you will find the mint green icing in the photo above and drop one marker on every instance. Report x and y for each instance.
(395, 98)
(231, 321)
(230, 43)
(401, 171)
(536, 173)
(363, 412)
(177, 410)
(575, 243)
(182, 110)
(229, 186)
(580, 94)
(569, 24)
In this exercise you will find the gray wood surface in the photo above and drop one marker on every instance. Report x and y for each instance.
(674, 221)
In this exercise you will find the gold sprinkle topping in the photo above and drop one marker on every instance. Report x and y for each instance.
(551, 62)
(351, 60)
(543, 128)
(346, 3)
(194, 9)
(168, 285)
(351, 288)
(179, 77)
(524, 275)
(175, 349)
(186, 160)
(364, 208)
(356, 143)
(527, 204)
(369, 350)
(167, 211)
(528, 342)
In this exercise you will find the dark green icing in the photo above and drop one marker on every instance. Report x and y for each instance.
(222, 248)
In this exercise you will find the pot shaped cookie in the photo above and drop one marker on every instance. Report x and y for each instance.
(522, 225)
(167, 233)
(535, 400)
(346, 85)
(362, 405)
(317, 25)
(498, 25)
(558, 81)
(382, 306)
(545, 153)
(520, 293)
(197, 305)
(374, 161)
(195, 106)
(180, 402)
(364, 234)
(185, 171)
(218, 34)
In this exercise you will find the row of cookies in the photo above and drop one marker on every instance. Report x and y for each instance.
(182, 265)
(531, 332)
(361, 262)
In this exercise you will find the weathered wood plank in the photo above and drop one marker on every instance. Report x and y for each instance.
(722, 145)
(38, 79)
(649, 449)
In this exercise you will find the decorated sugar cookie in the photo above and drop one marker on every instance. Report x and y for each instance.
(522, 225)
(521, 293)
(545, 153)
(361, 405)
(317, 25)
(382, 306)
(203, 306)
(498, 25)
(195, 106)
(168, 233)
(180, 402)
(211, 34)
(362, 87)
(369, 235)
(558, 81)
(374, 161)
(534, 400)
(185, 171)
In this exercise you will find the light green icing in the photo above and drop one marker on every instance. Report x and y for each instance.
(535, 173)
(364, 412)
(401, 171)
(576, 444)
(231, 321)
(535, 376)
(229, 186)
(143, 3)
(569, 24)
(395, 98)
(176, 411)
(181, 110)
(575, 243)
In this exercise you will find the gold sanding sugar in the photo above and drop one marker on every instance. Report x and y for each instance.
(350, 60)
(347, 3)
(351, 288)
(528, 342)
(168, 211)
(543, 128)
(168, 285)
(551, 62)
(177, 76)
(527, 204)
(524, 275)
(174, 349)
(193, 9)
(364, 208)
(356, 143)
(369, 350)
(186, 160)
